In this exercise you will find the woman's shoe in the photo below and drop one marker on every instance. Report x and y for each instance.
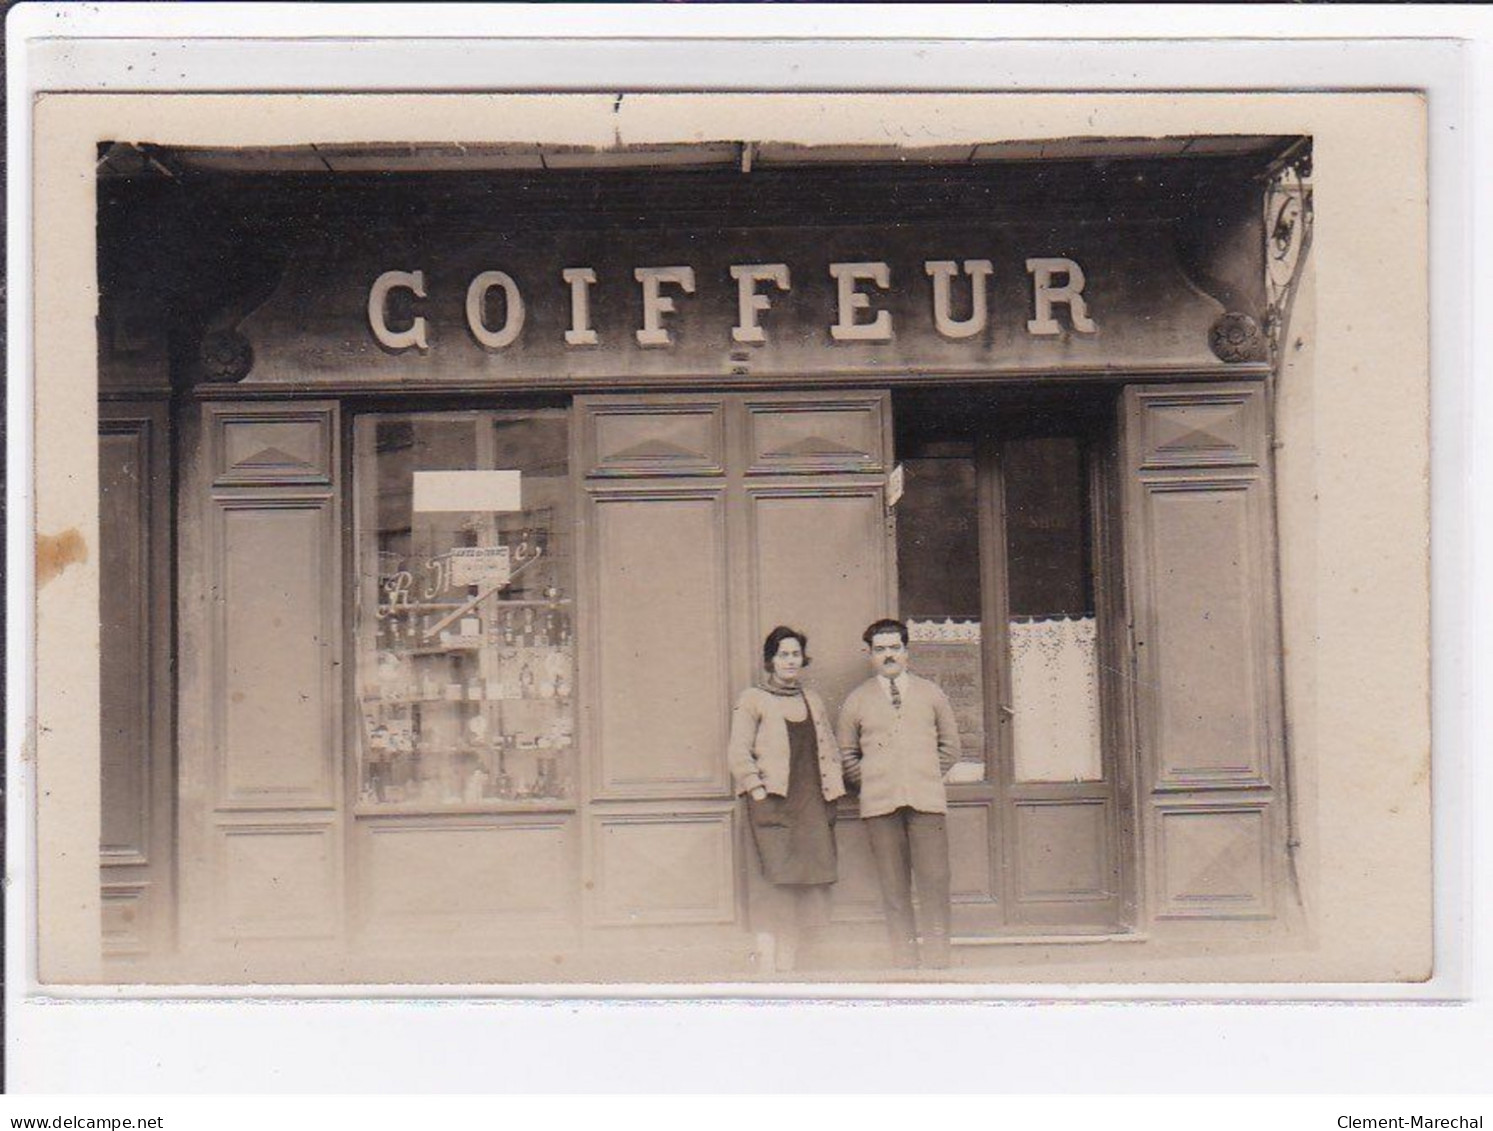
(785, 959)
(766, 952)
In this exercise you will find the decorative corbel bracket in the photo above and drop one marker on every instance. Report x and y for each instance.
(238, 264)
(1288, 238)
(224, 354)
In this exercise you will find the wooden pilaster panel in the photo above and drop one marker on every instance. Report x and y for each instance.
(820, 563)
(137, 782)
(664, 867)
(282, 446)
(817, 553)
(816, 433)
(129, 918)
(1214, 860)
(639, 437)
(1200, 556)
(1205, 634)
(263, 775)
(278, 879)
(274, 681)
(660, 636)
(124, 614)
(482, 874)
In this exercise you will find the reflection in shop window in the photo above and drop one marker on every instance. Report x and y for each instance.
(1052, 631)
(938, 551)
(465, 667)
(1038, 489)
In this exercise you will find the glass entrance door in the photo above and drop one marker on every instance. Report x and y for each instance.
(1000, 581)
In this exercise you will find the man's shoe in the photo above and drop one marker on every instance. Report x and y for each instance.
(905, 954)
(935, 953)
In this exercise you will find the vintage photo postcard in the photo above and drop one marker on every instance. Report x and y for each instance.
(839, 540)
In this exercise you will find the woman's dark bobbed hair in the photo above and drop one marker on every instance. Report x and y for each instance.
(776, 637)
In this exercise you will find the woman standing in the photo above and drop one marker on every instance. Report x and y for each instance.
(783, 756)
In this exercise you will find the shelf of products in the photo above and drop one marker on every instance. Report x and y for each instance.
(466, 675)
(488, 718)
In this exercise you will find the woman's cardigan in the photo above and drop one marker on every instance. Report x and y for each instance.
(757, 752)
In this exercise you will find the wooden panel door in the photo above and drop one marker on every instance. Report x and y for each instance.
(1200, 549)
(138, 785)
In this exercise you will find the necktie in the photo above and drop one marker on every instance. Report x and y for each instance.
(896, 696)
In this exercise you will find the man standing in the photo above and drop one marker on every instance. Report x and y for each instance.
(898, 737)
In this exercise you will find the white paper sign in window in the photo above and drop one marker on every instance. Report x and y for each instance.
(467, 491)
(480, 565)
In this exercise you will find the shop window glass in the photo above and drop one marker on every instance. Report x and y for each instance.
(465, 632)
(938, 548)
(1052, 630)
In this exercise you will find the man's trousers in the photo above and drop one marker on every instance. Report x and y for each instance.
(911, 849)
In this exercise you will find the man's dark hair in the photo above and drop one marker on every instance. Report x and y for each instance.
(776, 637)
(884, 625)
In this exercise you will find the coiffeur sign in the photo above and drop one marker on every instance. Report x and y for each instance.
(1056, 282)
(460, 306)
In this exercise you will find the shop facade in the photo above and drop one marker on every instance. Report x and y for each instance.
(444, 513)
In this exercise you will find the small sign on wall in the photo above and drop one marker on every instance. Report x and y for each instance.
(466, 491)
(896, 482)
(480, 565)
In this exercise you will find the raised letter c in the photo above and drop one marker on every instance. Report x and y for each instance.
(378, 300)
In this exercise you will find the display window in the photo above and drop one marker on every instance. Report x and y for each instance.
(465, 664)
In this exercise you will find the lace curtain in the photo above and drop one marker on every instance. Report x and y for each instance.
(1055, 697)
(1054, 693)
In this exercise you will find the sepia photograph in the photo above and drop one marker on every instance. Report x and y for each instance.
(827, 540)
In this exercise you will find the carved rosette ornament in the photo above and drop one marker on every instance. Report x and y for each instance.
(226, 356)
(1288, 233)
(1237, 337)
